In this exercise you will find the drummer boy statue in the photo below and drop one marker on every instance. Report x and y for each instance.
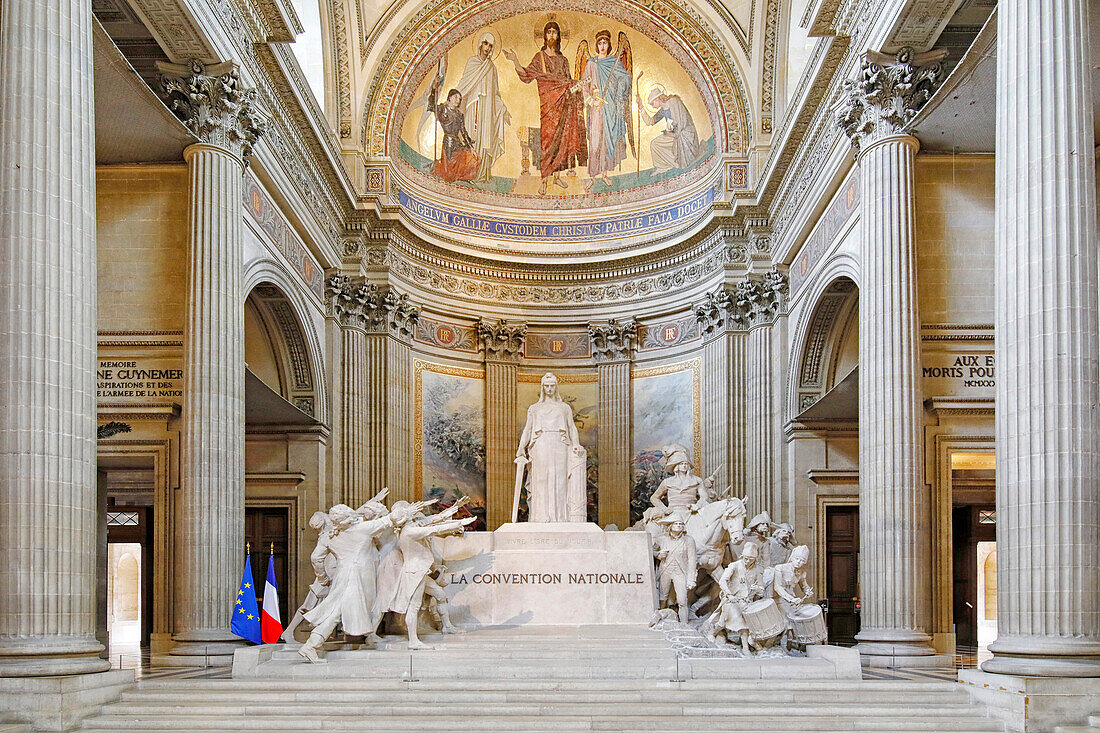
(791, 588)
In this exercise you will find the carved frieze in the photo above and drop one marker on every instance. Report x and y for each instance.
(502, 340)
(614, 340)
(214, 104)
(887, 94)
(355, 303)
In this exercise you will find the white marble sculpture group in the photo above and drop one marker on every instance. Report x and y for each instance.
(372, 560)
(746, 583)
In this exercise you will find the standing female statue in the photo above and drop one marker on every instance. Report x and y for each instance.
(556, 461)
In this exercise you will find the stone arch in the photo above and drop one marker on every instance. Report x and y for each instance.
(821, 338)
(297, 347)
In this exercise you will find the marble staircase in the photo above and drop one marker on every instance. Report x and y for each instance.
(529, 705)
(602, 678)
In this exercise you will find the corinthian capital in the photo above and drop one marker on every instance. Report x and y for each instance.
(613, 341)
(887, 94)
(214, 104)
(355, 303)
(503, 340)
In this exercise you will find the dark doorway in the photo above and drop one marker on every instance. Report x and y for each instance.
(842, 573)
(970, 525)
(266, 528)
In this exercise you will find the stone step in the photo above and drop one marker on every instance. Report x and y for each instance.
(306, 684)
(728, 696)
(520, 709)
(432, 722)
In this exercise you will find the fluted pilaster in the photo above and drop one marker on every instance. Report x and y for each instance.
(47, 341)
(376, 326)
(615, 435)
(1048, 457)
(760, 455)
(354, 372)
(613, 350)
(501, 438)
(399, 417)
(717, 393)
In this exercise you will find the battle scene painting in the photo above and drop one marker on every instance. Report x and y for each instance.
(664, 414)
(570, 104)
(453, 440)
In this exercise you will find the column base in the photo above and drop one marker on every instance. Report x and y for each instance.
(201, 648)
(1033, 704)
(48, 656)
(899, 648)
(1044, 656)
(60, 703)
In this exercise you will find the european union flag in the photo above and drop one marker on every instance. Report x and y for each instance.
(246, 616)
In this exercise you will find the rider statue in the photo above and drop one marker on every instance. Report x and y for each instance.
(684, 492)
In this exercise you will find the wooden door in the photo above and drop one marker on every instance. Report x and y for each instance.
(842, 573)
(264, 527)
(967, 531)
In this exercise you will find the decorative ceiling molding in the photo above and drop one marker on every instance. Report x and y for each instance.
(919, 24)
(175, 30)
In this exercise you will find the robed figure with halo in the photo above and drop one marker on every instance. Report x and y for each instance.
(605, 80)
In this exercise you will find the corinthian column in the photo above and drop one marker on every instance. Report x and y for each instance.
(613, 349)
(346, 300)
(374, 448)
(502, 343)
(894, 510)
(209, 527)
(1048, 449)
(47, 341)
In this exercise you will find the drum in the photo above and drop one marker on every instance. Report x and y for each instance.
(807, 624)
(764, 619)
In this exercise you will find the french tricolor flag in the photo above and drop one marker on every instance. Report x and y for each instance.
(271, 626)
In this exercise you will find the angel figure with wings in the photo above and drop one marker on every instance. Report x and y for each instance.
(605, 80)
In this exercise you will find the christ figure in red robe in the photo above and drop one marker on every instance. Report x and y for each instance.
(561, 107)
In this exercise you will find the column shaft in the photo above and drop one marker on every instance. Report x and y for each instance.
(47, 341)
(717, 394)
(895, 540)
(399, 415)
(501, 439)
(759, 456)
(738, 417)
(355, 408)
(210, 505)
(615, 443)
(376, 392)
(1048, 457)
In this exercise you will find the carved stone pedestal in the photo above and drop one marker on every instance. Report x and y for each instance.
(551, 575)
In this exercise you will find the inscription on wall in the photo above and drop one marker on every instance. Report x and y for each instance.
(139, 380)
(954, 373)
